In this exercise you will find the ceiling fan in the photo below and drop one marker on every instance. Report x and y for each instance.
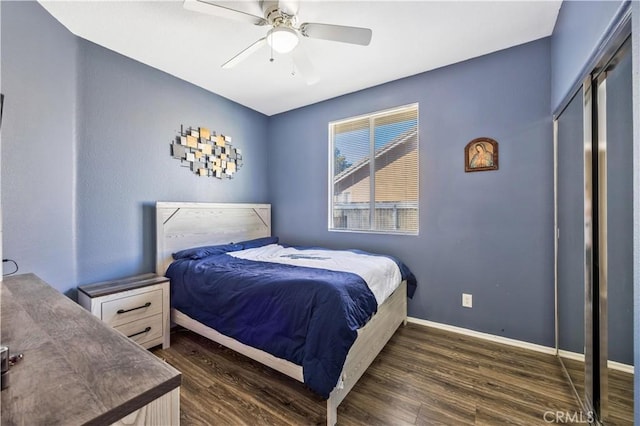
(284, 35)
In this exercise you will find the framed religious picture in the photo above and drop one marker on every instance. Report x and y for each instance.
(481, 154)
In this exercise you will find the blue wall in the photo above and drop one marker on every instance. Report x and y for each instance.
(635, 28)
(129, 115)
(86, 152)
(489, 233)
(578, 31)
(39, 69)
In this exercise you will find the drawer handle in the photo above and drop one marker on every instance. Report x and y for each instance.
(146, 330)
(123, 311)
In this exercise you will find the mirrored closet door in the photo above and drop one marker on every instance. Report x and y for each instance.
(615, 170)
(572, 254)
(594, 246)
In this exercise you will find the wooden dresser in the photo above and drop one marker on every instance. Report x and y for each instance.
(76, 369)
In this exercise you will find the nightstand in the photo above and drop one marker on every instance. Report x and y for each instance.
(137, 306)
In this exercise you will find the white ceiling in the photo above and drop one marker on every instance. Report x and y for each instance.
(409, 37)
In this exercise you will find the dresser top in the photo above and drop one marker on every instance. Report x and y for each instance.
(75, 369)
(116, 286)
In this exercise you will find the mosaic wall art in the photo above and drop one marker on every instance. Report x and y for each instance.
(206, 153)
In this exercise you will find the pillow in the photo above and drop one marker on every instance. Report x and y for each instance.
(202, 252)
(258, 242)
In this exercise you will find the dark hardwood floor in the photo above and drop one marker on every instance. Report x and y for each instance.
(424, 376)
(620, 384)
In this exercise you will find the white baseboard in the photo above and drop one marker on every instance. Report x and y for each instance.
(485, 336)
(571, 355)
(517, 343)
(614, 365)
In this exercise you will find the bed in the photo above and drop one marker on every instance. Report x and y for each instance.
(187, 228)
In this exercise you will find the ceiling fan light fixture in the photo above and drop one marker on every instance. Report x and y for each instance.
(282, 39)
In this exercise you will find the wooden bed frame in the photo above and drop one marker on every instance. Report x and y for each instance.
(185, 225)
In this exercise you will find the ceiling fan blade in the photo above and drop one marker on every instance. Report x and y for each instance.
(244, 54)
(353, 35)
(216, 9)
(305, 67)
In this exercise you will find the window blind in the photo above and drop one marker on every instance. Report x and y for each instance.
(374, 172)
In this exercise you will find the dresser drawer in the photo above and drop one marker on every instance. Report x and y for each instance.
(142, 330)
(131, 308)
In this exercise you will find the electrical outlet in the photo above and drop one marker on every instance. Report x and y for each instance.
(467, 300)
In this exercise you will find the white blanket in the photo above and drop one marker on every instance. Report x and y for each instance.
(381, 274)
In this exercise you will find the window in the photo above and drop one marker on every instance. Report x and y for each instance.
(373, 172)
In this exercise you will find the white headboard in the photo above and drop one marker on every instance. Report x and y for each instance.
(184, 225)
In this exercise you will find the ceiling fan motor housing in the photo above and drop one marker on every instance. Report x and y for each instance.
(277, 17)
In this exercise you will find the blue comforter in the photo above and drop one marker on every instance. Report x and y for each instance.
(305, 315)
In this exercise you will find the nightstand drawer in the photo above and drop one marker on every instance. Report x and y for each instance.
(143, 330)
(131, 308)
